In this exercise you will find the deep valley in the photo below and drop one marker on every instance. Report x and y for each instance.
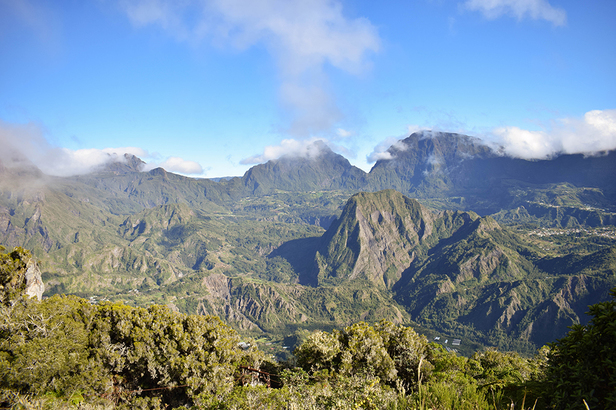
(449, 236)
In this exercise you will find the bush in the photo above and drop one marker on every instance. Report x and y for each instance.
(44, 347)
(67, 346)
(582, 365)
(13, 274)
(393, 353)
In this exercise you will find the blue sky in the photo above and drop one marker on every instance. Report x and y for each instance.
(209, 88)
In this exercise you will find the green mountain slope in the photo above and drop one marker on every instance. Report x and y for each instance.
(458, 272)
(456, 171)
(379, 235)
(284, 248)
(322, 170)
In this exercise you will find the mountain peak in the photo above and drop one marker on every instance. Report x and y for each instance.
(317, 168)
(18, 172)
(426, 146)
(124, 164)
(14, 162)
(373, 239)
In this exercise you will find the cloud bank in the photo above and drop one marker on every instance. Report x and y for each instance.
(310, 148)
(592, 134)
(25, 144)
(304, 38)
(595, 132)
(179, 165)
(381, 150)
(520, 9)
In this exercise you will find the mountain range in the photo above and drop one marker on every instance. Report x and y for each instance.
(447, 233)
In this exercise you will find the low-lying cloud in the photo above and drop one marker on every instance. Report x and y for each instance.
(179, 165)
(520, 9)
(381, 151)
(595, 132)
(311, 148)
(26, 144)
(592, 134)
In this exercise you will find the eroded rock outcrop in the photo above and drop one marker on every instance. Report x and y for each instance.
(34, 282)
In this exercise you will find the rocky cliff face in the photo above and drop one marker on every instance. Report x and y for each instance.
(19, 275)
(457, 270)
(34, 282)
(380, 235)
(254, 306)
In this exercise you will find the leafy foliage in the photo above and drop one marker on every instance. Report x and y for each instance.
(66, 352)
(66, 345)
(582, 365)
(424, 375)
(394, 354)
(44, 347)
(13, 274)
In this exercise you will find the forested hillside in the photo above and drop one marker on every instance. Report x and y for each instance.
(469, 244)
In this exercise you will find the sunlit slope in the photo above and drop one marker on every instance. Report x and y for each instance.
(292, 244)
(459, 272)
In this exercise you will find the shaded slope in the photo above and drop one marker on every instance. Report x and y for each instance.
(460, 171)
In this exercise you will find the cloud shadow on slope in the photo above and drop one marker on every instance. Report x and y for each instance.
(300, 254)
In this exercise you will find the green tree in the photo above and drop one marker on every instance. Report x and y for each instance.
(408, 350)
(365, 353)
(393, 353)
(147, 349)
(582, 365)
(320, 351)
(13, 273)
(44, 347)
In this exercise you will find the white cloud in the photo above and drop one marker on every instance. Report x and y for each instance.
(433, 165)
(434, 160)
(303, 37)
(595, 132)
(535, 9)
(381, 151)
(66, 162)
(182, 166)
(311, 148)
(414, 128)
(26, 143)
(526, 144)
(377, 155)
(342, 133)
(23, 144)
